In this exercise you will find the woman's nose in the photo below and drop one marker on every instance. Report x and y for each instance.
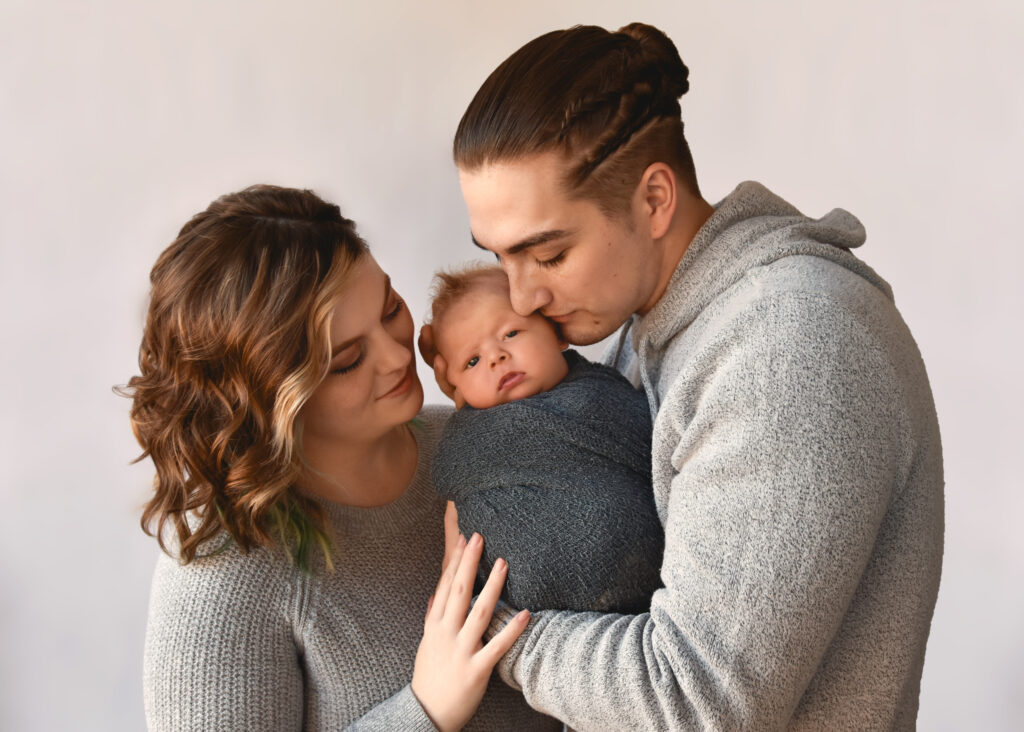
(395, 355)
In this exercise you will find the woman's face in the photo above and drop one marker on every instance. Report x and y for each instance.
(372, 385)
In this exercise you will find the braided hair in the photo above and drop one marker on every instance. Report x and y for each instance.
(609, 102)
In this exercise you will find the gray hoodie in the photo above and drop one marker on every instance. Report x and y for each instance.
(797, 472)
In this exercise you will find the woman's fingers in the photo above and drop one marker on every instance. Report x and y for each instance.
(462, 584)
(451, 534)
(440, 601)
(483, 608)
(498, 646)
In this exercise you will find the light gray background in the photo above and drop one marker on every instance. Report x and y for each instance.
(118, 120)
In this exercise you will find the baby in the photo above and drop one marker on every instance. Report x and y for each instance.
(549, 460)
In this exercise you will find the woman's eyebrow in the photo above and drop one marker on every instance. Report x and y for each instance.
(542, 237)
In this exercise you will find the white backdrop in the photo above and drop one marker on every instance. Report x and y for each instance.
(119, 119)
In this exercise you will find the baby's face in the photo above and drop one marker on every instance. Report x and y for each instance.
(495, 356)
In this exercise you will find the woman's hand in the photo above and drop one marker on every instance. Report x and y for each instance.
(452, 665)
(451, 534)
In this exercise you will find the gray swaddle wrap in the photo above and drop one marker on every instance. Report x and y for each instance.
(559, 485)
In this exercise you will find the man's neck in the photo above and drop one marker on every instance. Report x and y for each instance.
(691, 214)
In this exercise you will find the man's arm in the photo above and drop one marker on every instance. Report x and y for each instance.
(782, 446)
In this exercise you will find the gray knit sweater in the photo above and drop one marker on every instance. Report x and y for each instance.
(798, 475)
(247, 642)
(559, 485)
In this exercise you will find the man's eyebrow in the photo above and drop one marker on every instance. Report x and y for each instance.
(387, 296)
(537, 239)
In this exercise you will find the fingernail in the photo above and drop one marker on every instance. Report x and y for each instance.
(475, 541)
(523, 616)
(500, 565)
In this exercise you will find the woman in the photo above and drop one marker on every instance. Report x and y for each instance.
(279, 401)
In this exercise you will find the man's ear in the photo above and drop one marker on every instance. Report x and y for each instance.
(658, 198)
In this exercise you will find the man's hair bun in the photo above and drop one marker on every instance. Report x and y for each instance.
(655, 49)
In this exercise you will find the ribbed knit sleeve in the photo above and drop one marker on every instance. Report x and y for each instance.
(220, 651)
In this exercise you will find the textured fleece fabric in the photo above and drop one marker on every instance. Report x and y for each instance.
(559, 485)
(798, 475)
(247, 642)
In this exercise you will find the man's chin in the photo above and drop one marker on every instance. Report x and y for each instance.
(585, 334)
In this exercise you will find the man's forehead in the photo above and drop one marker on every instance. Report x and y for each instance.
(512, 202)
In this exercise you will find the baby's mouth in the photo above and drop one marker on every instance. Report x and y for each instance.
(510, 379)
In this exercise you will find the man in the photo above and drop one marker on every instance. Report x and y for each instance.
(796, 456)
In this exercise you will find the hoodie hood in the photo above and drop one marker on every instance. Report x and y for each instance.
(751, 227)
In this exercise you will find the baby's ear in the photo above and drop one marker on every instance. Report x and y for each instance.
(425, 343)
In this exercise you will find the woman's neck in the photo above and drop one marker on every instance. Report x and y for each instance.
(365, 474)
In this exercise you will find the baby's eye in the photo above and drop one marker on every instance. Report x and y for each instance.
(472, 362)
(512, 334)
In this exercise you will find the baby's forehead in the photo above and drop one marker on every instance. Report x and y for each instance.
(475, 311)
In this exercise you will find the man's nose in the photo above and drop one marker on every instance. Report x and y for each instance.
(527, 295)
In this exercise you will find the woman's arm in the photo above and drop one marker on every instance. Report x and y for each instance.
(220, 650)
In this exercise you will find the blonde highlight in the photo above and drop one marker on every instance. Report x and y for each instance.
(236, 340)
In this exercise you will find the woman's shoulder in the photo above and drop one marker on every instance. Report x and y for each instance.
(435, 416)
(223, 576)
(429, 425)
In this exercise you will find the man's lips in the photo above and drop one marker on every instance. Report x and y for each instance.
(510, 379)
(559, 318)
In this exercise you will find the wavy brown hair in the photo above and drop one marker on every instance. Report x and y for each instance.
(608, 101)
(236, 340)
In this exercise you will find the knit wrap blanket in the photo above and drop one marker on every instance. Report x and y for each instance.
(559, 485)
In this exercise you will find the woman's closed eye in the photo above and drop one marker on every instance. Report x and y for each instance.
(345, 368)
(395, 310)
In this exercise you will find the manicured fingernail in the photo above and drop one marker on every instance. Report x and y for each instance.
(500, 565)
(475, 541)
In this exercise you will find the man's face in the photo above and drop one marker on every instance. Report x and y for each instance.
(494, 355)
(564, 258)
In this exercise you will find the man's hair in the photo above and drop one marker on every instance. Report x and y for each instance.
(237, 338)
(608, 102)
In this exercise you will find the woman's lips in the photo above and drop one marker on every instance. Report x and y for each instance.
(403, 386)
(510, 379)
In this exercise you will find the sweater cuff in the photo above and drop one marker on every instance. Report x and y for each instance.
(503, 614)
(402, 711)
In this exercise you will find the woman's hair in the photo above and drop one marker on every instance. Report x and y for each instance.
(236, 340)
(609, 102)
